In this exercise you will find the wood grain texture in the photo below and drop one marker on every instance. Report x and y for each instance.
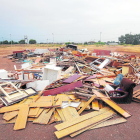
(22, 118)
(83, 124)
(80, 119)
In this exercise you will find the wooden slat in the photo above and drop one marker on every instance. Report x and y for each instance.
(61, 114)
(86, 123)
(22, 118)
(73, 112)
(95, 105)
(14, 120)
(45, 117)
(88, 127)
(66, 113)
(36, 104)
(33, 112)
(80, 119)
(110, 122)
(112, 104)
(10, 108)
(135, 95)
(10, 115)
(136, 91)
(87, 103)
(39, 112)
(56, 115)
(83, 102)
(69, 113)
(41, 117)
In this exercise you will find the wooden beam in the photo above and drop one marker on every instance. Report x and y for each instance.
(111, 104)
(87, 103)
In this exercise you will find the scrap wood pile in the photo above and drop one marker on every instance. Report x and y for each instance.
(81, 94)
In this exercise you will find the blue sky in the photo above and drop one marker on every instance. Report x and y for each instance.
(68, 20)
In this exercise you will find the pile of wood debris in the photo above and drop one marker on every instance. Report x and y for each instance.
(81, 97)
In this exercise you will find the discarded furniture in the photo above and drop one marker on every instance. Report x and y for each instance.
(51, 73)
(123, 93)
(17, 54)
(16, 95)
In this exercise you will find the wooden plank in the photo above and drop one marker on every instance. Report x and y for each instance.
(57, 117)
(69, 113)
(66, 113)
(73, 112)
(12, 121)
(61, 114)
(86, 123)
(39, 112)
(80, 119)
(136, 91)
(87, 103)
(112, 104)
(135, 95)
(10, 108)
(41, 117)
(62, 89)
(10, 115)
(88, 127)
(110, 122)
(95, 105)
(72, 78)
(22, 118)
(33, 112)
(83, 102)
(45, 117)
(44, 104)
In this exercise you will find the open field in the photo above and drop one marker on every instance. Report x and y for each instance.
(132, 49)
(126, 131)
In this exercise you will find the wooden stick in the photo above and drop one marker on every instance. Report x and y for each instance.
(39, 95)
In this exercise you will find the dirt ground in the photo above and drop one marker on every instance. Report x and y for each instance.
(126, 131)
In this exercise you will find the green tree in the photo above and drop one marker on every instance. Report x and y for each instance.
(67, 43)
(5, 42)
(22, 41)
(32, 41)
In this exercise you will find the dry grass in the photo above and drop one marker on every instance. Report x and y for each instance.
(118, 48)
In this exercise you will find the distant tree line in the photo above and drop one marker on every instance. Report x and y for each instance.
(129, 39)
(31, 41)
